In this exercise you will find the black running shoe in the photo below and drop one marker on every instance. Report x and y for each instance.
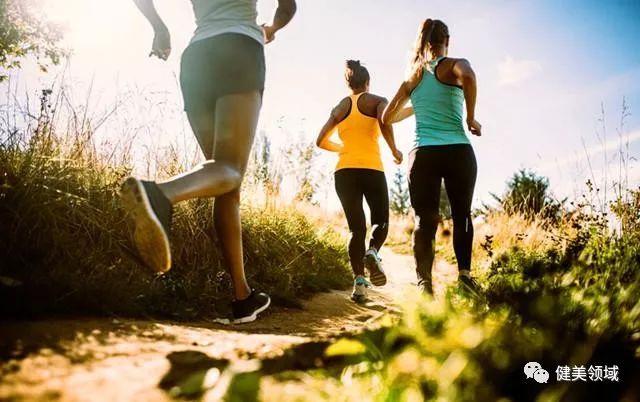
(247, 310)
(373, 265)
(468, 285)
(150, 211)
(425, 285)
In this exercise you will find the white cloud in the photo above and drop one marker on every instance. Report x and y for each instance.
(512, 71)
(586, 153)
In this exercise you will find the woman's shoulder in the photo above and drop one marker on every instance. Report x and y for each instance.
(342, 109)
(453, 61)
(373, 98)
(415, 76)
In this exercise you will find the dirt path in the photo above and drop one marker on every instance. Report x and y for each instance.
(86, 359)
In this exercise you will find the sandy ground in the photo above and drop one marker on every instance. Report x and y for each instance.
(112, 359)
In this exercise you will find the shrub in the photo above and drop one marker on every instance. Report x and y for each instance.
(66, 246)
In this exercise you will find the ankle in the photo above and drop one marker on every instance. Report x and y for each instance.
(242, 293)
(464, 273)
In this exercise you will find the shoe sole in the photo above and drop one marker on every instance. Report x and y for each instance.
(149, 236)
(359, 298)
(376, 276)
(244, 320)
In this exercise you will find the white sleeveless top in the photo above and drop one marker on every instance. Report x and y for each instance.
(216, 17)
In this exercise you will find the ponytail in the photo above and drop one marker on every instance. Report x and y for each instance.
(432, 32)
(356, 74)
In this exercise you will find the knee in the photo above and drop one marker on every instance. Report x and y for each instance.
(427, 223)
(462, 220)
(230, 175)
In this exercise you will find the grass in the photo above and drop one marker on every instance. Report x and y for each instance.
(560, 295)
(67, 247)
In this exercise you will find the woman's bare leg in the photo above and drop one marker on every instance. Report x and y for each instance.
(226, 217)
(230, 129)
(226, 137)
(236, 123)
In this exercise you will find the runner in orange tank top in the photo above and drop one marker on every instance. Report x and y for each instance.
(359, 173)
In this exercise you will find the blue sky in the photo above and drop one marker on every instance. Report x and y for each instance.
(544, 69)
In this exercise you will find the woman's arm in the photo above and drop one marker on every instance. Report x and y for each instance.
(161, 46)
(283, 15)
(403, 114)
(337, 114)
(465, 74)
(387, 133)
(394, 111)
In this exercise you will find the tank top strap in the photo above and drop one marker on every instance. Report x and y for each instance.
(433, 64)
(354, 104)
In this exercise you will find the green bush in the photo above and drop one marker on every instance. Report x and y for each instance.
(571, 306)
(528, 194)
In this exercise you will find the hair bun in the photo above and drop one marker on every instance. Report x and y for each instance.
(352, 64)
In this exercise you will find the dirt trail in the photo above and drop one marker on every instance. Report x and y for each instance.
(84, 359)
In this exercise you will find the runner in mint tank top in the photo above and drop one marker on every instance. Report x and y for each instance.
(438, 89)
(222, 74)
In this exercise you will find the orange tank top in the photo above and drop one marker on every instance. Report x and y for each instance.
(359, 135)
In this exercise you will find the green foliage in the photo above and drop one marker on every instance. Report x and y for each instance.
(23, 33)
(399, 194)
(627, 209)
(528, 194)
(560, 306)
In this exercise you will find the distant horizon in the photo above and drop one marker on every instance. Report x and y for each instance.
(544, 71)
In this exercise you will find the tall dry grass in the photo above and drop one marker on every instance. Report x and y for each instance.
(66, 245)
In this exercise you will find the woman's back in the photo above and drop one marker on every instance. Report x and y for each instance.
(214, 17)
(438, 107)
(359, 132)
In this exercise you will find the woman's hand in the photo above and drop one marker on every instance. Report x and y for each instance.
(269, 33)
(475, 127)
(283, 15)
(397, 156)
(161, 46)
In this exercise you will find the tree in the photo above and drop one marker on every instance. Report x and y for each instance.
(399, 194)
(528, 194)
(23, 33)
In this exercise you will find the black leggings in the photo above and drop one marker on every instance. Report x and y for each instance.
(428, 166)
(352, 185)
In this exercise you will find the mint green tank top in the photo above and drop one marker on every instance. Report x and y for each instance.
(438, 110)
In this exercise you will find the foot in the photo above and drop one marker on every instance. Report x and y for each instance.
(247, 310)
(373, 265)
(468, 285)
(425, 285)
(150, 212)
(360, 287)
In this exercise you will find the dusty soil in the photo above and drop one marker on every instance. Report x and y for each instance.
(113, 359)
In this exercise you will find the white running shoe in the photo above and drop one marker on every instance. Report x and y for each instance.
(360, 287)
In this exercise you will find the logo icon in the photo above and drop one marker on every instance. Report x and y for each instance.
(541, 376)
(534, 370)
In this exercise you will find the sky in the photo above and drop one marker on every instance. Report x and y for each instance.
(547, 70)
